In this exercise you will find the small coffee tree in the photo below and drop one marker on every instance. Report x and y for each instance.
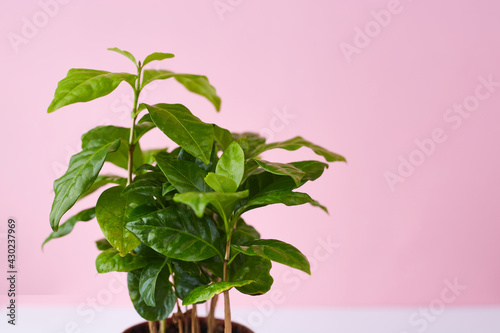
(174, 220)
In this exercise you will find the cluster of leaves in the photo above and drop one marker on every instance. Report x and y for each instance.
(175, 223)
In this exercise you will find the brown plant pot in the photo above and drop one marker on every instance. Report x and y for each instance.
(237, 328)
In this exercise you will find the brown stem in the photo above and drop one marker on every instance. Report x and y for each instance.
(179, 317)
(211, 314)
(227, 306)
(195, 323)
(163, 326)
(152, 327)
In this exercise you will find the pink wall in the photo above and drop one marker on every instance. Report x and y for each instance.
(398, 234)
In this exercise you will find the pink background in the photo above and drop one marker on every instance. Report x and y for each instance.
(390, 245)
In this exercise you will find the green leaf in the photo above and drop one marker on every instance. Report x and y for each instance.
(221, 183)
(197, 84)
(222, 136)
(253, 140)
(232, 163)
(265, 182)
(167, 188)
(244, 233)
(103, 180)
(147, 282)
(125, 53)
(144, 125)
(282, 169)
(104, 134)
(164, 296)
(144, 186)
(296, 143)
(287, 198)
(185, 176)
(187, 276)
(204, 293)
(157, 56)
(200, 85)
(148, 155)
(82, 171)
(224, 203)
(67, 227)
(112, 212)
(184, 155)
(178, 234)
(111, 261)
(275, 250)
(146, 252)
(83, 85)
(182, 127)
(103, 244)
(252, 268)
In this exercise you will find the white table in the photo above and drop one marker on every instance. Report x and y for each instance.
(72, 319)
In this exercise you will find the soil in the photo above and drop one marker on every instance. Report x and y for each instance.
(237, 328)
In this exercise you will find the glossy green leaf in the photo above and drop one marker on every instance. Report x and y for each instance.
(197, 84)
(125, 53)
(144, 186)
(200, 85)
(104, 134)
(184, 155)
(232, 163)
(146, 252)
(148, 279)
(103, 180)
(220, 183)
(224, 203)
(298, 142)
(185, 176)
(265, 182)
(67, 227)
(164, 296)
(287, 198)
(204, 293)
(252, 268)
(82, 171)
(244, 233)
(222, 136)
(157, 56)
(148, 155)
(312, 169)
(187, 276)
(112, 212)
(275, 250)
(144, 125)
(167, 188)
(282, 169)
(111, 261)
(103, 244)
(213, 265)
(178, 234)
(253, 140)
(83, 85)
(182, 127)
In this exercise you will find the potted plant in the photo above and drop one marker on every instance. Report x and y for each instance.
(174, 221)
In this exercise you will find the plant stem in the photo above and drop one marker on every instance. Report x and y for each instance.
(163, 326)
(152, 327)
(131, 143)
(227, 305)
(195, 324)
(131, 146)
(211, 314)
(179, 317)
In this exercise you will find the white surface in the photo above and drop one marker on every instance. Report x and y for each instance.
(338, 320)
